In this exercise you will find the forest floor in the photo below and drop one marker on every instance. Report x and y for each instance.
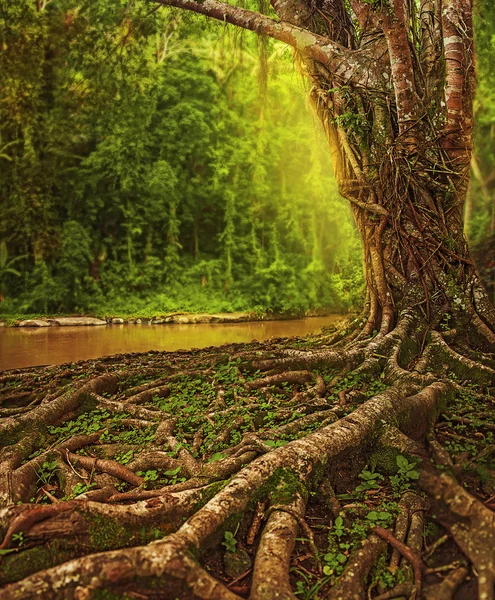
(112, 448)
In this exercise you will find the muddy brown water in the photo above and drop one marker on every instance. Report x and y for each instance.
(27, 347)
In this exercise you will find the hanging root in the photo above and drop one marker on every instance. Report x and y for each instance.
(191, 475)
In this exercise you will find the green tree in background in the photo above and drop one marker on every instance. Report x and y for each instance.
(154, 163)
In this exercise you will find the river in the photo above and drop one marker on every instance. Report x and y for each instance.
(27, 347)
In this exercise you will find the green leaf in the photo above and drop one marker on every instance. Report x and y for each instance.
(171, 473)
(216, 456)
(402, 462)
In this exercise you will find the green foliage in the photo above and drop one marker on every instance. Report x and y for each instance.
(229, 542)
(46, 471)
(141, 172)
(334, 563)
(338, 527)
(406, 474)
(370, 480)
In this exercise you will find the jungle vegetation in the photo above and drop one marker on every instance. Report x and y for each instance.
(355, 464)
(151, 162)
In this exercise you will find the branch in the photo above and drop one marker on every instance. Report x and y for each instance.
(354, 66)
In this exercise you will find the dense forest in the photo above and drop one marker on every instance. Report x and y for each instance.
(151, 162)
(154, 164)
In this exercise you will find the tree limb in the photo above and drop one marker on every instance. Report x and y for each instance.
(356, 66)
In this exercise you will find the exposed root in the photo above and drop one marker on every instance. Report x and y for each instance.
(448, 587)
(306, 475)
(352, 584)
(271, 568)
(406, 553)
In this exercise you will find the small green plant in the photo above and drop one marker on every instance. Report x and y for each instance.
(381, 518)
(173, 476)
(18, 538)
(334, 563)
(46, 471)
(306, 586)
(124, 457)
(406, 474)
(216, 456)
(370, 480)
(229, 542)
(152, 475)
(79, 488)
(445, 323)
(338, 527)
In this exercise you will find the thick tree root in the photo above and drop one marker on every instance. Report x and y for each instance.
(182, 475)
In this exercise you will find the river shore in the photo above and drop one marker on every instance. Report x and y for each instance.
(178, 318)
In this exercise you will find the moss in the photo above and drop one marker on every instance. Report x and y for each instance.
(282, 486)
(108, 534)
(487, 479)
(16, 566)
(210, 493)
(147, 535)
(88, 403)
(11, 435)
(409, 349)
(384, 460)
(317, 476)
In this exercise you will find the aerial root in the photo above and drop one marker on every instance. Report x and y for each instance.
(329, 498)
(409, 506)
(296, 359)
(259, 515)
(299, 457)
(110, 467)
(39, 523)
(467, 368)
(148, 395)
(248, 462)
(56, 411)
(400, 591)
(25, 520)
(20, 487)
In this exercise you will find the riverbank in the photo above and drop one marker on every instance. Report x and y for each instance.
(28, 346)
(177, 318)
